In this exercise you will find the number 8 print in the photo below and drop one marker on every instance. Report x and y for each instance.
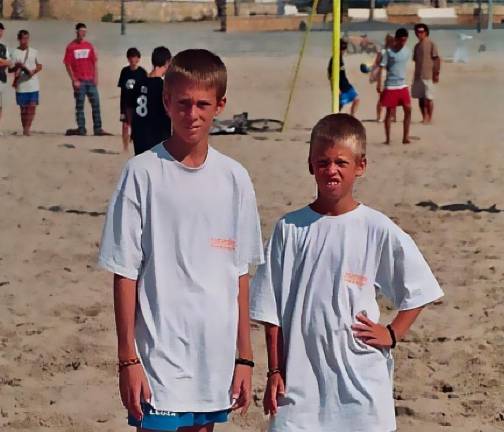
(141, 108)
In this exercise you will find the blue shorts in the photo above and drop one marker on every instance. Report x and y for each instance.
(30, 98)
(347, 97)
(171, 421)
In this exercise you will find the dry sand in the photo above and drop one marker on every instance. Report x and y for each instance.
(57, 341)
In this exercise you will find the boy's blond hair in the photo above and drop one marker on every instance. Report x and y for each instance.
(200, 67)
(340, 129)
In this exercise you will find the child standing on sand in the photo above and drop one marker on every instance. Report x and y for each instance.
(347, 93)
(129, 76)
(330, 360)
(181, 231)
(395, 91)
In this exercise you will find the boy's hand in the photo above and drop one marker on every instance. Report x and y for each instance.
(242, 388)
(274, 389)
(134, 388)
(371, 333)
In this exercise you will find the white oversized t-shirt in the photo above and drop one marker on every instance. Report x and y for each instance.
(27, 84)
(186, 235)
(320, 272)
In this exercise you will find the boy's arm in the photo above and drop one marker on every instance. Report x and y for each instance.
(124, 307)
(437, 69)
(242, 380)
(133, 383)
(276, 373)
(379, 79)
(377, 335)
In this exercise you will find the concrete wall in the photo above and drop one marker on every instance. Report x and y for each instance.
(185, 10)
(144, 10)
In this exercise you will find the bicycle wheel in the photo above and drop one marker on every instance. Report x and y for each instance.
(264, 125)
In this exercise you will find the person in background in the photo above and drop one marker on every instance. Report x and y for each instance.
(129, 76)
(81, 64)
(347, 93)
(427, 68)
(396, 92)
(5, 63)
(25, 67)
(150, 124)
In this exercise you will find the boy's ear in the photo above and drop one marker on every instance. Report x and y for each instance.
(310, 167)
(166, 101)
(221, 104)
(361, 166)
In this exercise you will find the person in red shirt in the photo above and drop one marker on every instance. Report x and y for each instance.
(81, 64)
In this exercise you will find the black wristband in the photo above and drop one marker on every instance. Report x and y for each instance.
(245, 362)
(392, 336)
(272, 372)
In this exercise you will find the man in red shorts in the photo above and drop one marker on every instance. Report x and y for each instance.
(81, 64)
(396, 92)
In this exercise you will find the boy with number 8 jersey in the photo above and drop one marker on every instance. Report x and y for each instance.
(150, 123)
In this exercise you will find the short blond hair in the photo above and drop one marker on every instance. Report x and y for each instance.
(342, 129)
(199, 66)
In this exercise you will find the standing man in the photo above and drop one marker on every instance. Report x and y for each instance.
(396, 92)
(4, 64)
(427, 67)
(150, 122)
(81, 64)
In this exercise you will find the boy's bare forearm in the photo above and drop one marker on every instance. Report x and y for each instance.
(404, 320)
(437, 66)
(244, 343)
(125, 299)
(274, 345)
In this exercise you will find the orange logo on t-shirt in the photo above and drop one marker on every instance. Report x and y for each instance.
(227, 244)
(357, 279)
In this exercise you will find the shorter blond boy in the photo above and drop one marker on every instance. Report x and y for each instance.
(330, 361)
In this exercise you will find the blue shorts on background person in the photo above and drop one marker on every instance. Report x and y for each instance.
(347, 97)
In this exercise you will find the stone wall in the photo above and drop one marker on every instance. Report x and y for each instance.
(188, 10)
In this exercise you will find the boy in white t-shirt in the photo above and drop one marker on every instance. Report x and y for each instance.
(181, 231)
(330, 363)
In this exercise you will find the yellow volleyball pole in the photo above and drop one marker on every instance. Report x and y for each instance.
(298, 63)
(336, 54)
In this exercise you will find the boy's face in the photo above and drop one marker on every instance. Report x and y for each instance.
(400, 42)
(192, 109)
(335, 168)
(420, 33)
(81, 33)
(133, 61)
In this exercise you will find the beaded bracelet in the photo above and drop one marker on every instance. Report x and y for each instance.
(125, 363)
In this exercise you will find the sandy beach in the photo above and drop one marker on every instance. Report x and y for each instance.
(57, 332)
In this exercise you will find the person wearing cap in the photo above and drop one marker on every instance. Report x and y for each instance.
(5, 63)
(81, 64)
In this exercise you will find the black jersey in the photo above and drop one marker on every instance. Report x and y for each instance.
(150, 124)
(126, 83)
(344, 84)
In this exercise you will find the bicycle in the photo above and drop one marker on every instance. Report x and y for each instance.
(241, 125)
